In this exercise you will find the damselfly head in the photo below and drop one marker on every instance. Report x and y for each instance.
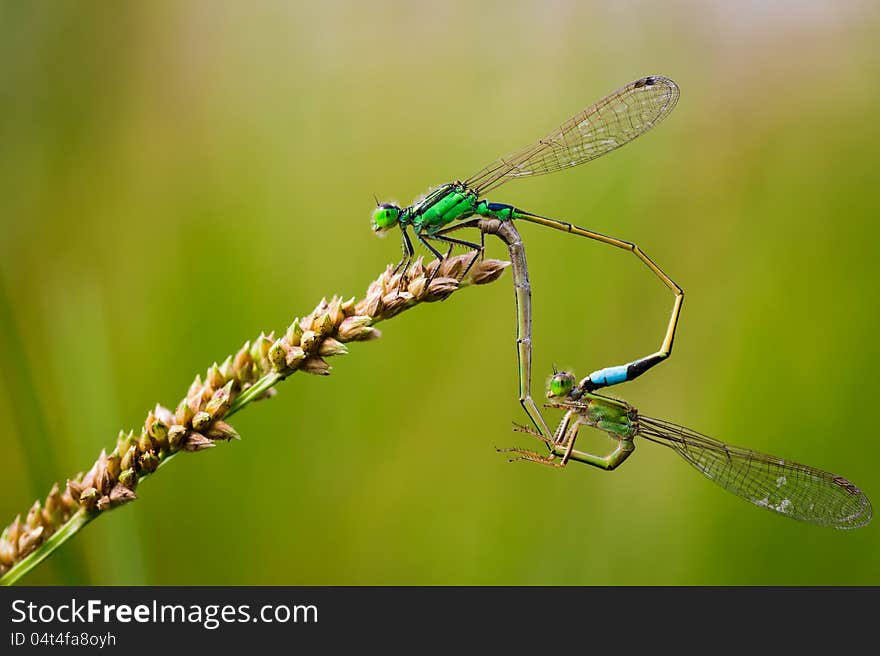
(560, 384)
(385, 217)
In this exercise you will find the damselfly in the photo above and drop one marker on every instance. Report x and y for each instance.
(788, 488)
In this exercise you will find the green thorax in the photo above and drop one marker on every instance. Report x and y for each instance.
(450, 202)
(617, 418)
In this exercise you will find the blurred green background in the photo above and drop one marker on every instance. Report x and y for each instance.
(178, 176)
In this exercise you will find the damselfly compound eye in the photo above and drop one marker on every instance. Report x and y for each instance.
(385, 216)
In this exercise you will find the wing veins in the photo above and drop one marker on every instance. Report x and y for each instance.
(606, 125)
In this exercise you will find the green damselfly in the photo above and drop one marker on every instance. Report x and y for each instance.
(603, 127)
(788, 488)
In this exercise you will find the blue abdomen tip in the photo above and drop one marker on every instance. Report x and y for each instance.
(609, 376)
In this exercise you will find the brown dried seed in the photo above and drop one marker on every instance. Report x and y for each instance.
(164, 415)
(159, 428)
(54, 511)
(89, 498)
(120, 495)
(88, 480)
(148, 462)
(67, 500)
(315, 365)
(395, 302)
(160, 434)
(53, 500)
(74, 489)
(184, 413)
(121, 441)
(294, 332)
(347, 307)
(368, 334)
(308, 340)
(128, 478)
(371, 306)
(214, 378)
(149, 421)
(392, 284)
(34, 518)
(13, 532)
(219, 403)
(417, 269)
(242, 358)
(440, 288)
(102, 477)
(207, 393)
(324, 325)
(220, 430)
(113, 465)
(351, 326)
(260, 349)
(196, 386)
(306, 322)
(278, 355)
(375, 287)
(8, 552)
(197, 442)
(145, 442)
(451, 267)
(246, 373)
(333, 312)
(128, 460)
(487, 271)
(176, 435)
(331, 346)
(29, 541)
(194, 401)
(295, 355)
(227, 370)
(417, 286)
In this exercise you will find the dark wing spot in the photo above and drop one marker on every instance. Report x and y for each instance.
(846, 485)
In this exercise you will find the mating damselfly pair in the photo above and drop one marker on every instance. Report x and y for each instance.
(800, 492)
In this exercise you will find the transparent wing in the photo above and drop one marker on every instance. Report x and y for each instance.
(612, 122)
(789, 488)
